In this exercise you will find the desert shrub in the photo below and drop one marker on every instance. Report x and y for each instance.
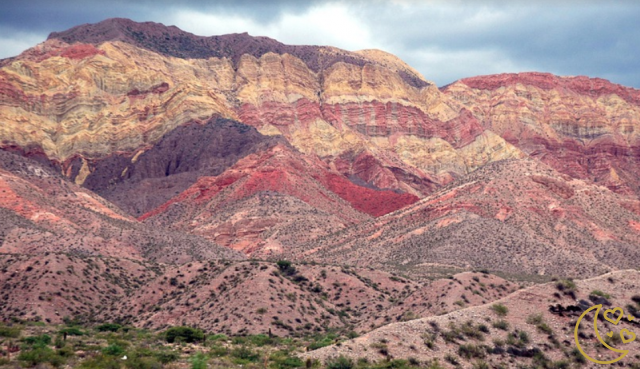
(198, 361)
(322, 341)
(184, 334)
(113, 350)
(453, 360)
(535, 319)
(108, 327)
(40, 355)
(244, 355)
(41, 340)
(10, 332)
(471, 331)
(340, 362)
(286, 267)
(101, 362)
(566, 285)
(289, 362)
(166, 356)
(601, 294)
(142, 362)
(471, 351)
(71, 331)
(577, 356)
(434, 364)
(500, 309)
(501, 324)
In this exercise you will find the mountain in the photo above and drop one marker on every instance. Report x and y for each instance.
(187, 148)
(518, 216)
(156, 178)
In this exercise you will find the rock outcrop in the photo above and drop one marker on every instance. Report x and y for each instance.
(584, 127)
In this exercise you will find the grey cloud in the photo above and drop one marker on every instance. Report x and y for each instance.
(564, 38)
(445, 40)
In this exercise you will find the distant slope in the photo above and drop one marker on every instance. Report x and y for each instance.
(514, 216)
(215, 207)
(587, 128)
(43, 212)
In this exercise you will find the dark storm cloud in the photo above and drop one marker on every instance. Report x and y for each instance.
(445, 40)
(47, 15)
(566, 38)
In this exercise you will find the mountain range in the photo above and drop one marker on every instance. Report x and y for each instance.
(136, 153)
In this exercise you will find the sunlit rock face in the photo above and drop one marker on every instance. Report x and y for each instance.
(584, 127)
(119, 86)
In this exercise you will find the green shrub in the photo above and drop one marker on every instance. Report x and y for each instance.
(108, 327)
(40, 355)
(471, 351)
(142, 362)
(500, 309)
(244, 355)
(71, 331)
(166, 356)
(340, 362)
(113, 350)
(218, 351)
(217, 337)
(322, 341)
(198, 361)
(261, 340)
(42, 340)
(184, 334)
(101, 362)
(601, 294)
(289, 362)
(501, 324)
(10, 332)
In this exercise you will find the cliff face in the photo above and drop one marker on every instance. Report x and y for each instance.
(586, 128)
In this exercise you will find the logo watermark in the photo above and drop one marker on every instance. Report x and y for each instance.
(616, 316)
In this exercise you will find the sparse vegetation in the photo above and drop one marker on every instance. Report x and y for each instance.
(500, 309)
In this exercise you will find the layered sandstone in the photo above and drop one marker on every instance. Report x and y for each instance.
(584, 127)
(118, 87)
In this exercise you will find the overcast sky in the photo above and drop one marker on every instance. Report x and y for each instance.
(444, 40)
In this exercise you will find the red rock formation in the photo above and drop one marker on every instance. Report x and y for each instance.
(583, 127)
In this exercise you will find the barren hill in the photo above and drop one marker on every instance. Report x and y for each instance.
(533, 326)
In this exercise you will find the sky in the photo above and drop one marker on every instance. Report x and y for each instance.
(444, 40)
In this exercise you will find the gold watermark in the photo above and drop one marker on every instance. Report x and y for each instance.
(625, 335)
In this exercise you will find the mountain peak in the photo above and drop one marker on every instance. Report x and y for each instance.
(172, 41)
